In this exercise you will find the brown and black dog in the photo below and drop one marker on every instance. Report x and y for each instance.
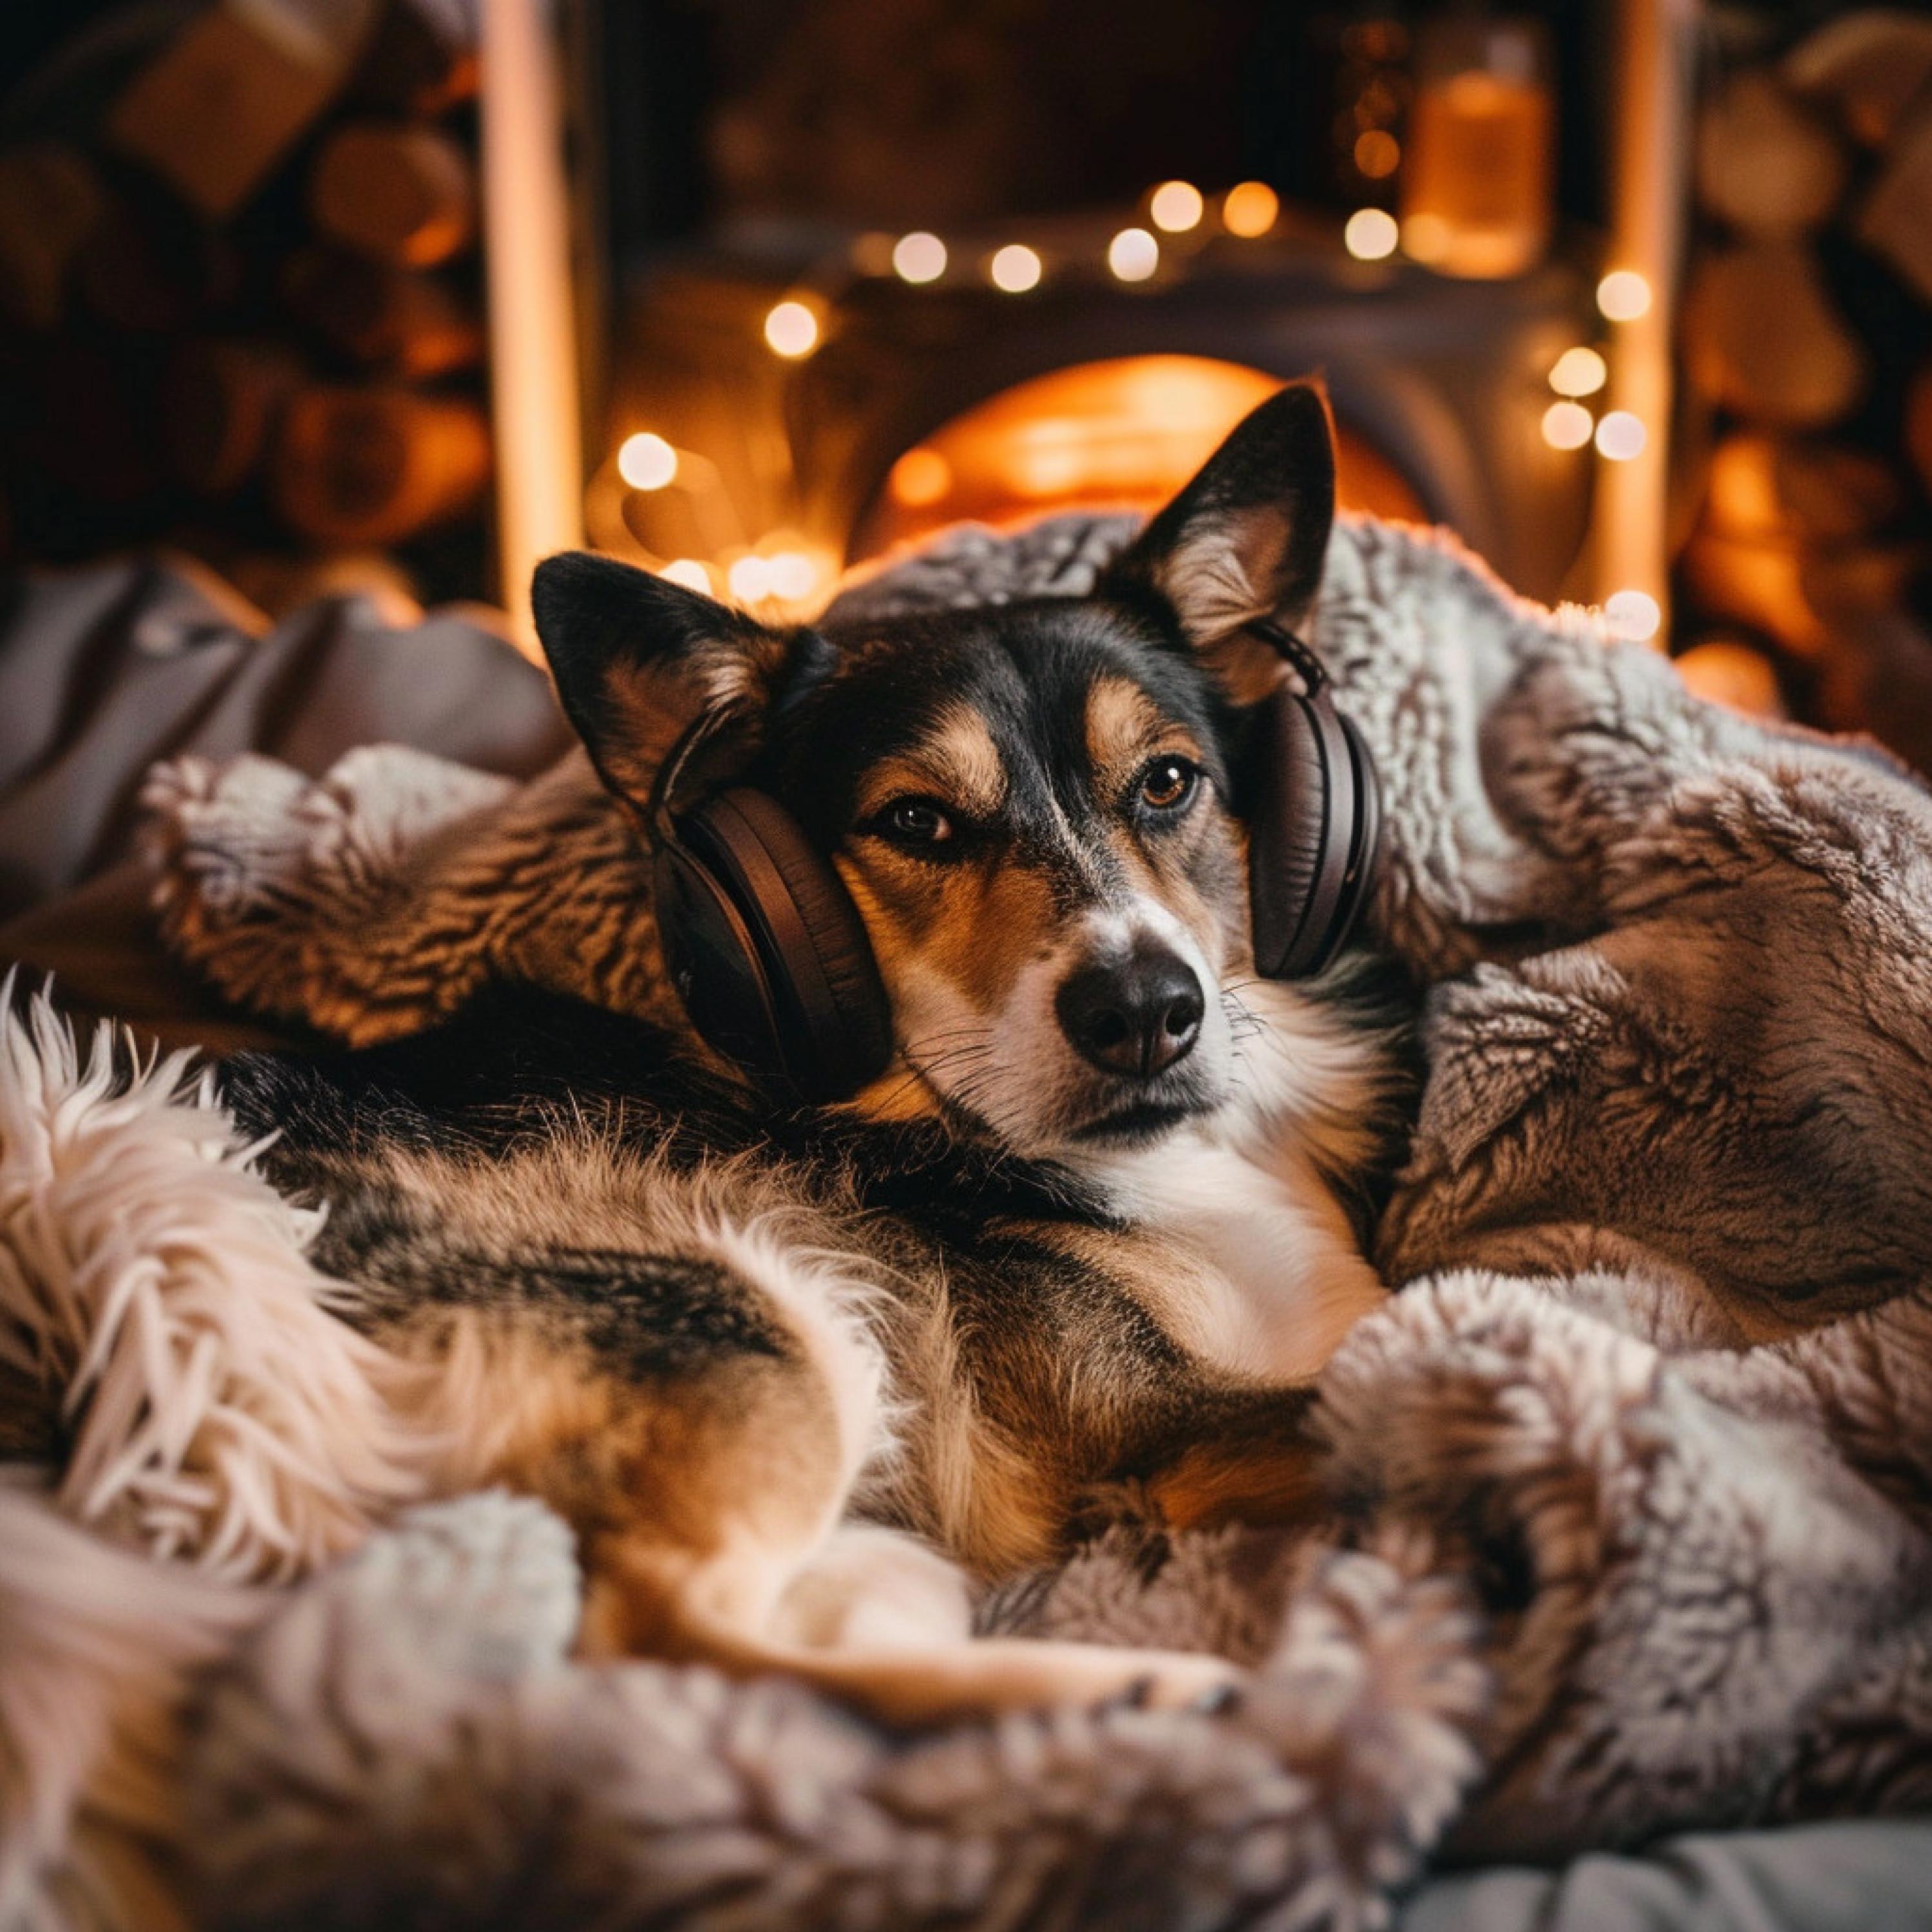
(802, 1379)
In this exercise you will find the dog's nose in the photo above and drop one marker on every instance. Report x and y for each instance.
(1136, 1017)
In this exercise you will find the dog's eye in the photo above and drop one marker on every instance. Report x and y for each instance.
(1168, 783)
(914, 821)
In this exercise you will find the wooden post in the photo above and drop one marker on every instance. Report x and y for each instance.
(535, 395)
(1650, 161)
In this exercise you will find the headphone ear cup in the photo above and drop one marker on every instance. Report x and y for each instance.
(1302, 829)
(829, 1018)
(715, 965)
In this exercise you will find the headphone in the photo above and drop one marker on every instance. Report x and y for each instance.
(769, 956)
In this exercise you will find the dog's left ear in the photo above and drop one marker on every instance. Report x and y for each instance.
(1246, 539)
(637, 659)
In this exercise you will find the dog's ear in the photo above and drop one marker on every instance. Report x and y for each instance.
(637, 659)
(1246, 539)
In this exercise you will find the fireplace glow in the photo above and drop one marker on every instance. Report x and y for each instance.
(1125, 433)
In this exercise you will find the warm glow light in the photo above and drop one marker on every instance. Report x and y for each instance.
(1133, 254)
(919, 257)
(1426, 237)
(1579, 372)
(1727, 671)
(920, 477)
(750, 579)
(647, 462)
(793, 574)
(1623, 295)
(1633, 615)
(1371, 234)
(1249, 209)
(1378, 153)
(1621, 436)
(1175, 206)
(1015, 268)
(689, 572)
(792, 329)
(1566, 425)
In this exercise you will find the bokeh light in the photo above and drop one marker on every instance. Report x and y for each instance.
(1623, 295)
(1133, 254)
(918, 257)
(792, 330)
(1371, 234)
(1249, 209)
(1175, 206)
(647, 462)
(1566, 425)
(1621, 436)
(1579, 372)
(1015, 268)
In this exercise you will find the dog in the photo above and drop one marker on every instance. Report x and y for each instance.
(804, 1366)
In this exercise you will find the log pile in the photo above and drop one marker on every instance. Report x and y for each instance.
(1806, 341)
(239, 301)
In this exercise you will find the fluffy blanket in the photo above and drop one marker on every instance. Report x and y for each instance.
(1632, 1481)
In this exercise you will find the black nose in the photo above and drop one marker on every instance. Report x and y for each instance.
(1136, 1017)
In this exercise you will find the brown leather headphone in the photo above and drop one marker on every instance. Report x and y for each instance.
(770, 958)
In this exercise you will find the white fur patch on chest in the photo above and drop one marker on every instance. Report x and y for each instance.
(1285, 1279)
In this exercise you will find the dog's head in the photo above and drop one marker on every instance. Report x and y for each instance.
(1035, 805)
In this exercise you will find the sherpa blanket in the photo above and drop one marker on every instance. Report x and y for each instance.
(1632, 1480)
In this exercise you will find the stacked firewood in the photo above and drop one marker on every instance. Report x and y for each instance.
(239, 303)
(1807, 340)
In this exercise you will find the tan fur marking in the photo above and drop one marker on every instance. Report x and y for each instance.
(1125, 728)
(958, 764)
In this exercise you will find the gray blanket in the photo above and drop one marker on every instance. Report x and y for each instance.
(1632, 1481)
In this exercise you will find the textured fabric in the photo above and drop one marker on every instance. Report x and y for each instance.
(1657, 1395)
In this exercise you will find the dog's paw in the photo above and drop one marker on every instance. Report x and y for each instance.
(223, 840)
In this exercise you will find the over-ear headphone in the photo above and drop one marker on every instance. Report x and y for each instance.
(770, 957)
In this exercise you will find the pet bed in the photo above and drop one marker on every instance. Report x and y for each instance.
(1632, 1481)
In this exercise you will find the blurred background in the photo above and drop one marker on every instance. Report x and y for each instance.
(385, 297)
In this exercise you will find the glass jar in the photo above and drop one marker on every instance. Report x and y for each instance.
(1478, 175)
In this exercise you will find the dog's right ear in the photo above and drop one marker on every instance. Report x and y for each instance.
(637, 659)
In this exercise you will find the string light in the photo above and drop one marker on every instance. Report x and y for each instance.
(1249, 209)
(647, 462)
(792, 574)
(792, 330)
(1623, 295)
(918, 257)
(689, 572)
(1621, 436)
(1371, 234)
(1014, 269)
(1566, 425)
(920, 477)
(1632, 614)
(750, 579)
(1133, 254)
(1176, 206)
(1579, 372)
